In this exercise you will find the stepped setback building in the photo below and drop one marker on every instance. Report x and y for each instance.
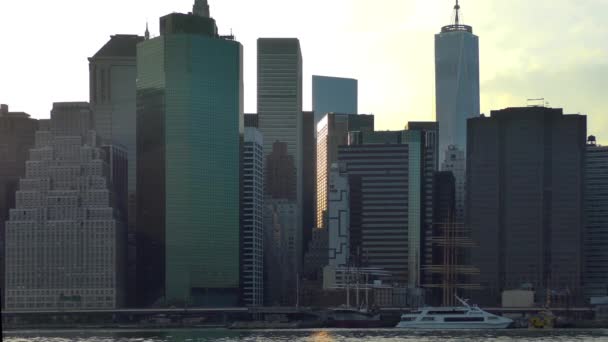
(65, 239)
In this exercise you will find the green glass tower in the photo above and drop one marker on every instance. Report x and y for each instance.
(189, 127)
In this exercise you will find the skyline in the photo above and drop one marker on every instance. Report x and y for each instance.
(541, 49)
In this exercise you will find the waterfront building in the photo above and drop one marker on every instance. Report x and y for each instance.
(525, 201)
(456, 81)
(332, 131)
(17, 132)
(189, 130)
(252, 236)
(455, 161)
(596, 220)
(65, 238)
(334, 95)
(385, 183)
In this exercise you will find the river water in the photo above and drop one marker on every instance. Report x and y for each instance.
(320, 335)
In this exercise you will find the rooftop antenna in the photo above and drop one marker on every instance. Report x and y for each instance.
(541, 100)
(147, 34)
(457, 11)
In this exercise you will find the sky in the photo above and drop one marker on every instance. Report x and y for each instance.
(552, 49)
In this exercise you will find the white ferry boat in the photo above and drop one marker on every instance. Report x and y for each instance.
(459, 317)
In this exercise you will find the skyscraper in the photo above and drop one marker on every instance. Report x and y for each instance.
(17, 132)
(65, 240)
(112, 89)
(280, 120)
(525, 201)
(385, 179)
(189, 123)
(252, 236)
(456, 81)
(280, 96)
(596, 220)
(332, 131)
(334, 95)
(112, 75)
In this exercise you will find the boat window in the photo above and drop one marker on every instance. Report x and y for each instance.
(407, 319)
(451, 312)
(428, 318)
(492, 318)
(463, 319)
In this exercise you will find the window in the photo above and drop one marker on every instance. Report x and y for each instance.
(428, 319)
(463, 319)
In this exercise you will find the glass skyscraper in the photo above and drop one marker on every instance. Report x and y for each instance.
(281, 119)
(456, 82)
(333, 95)
(189, 122)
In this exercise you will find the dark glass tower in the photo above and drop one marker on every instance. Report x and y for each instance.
(189, 123)
(525, 201)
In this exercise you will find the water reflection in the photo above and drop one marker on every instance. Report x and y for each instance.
(322, 336)
(325, 335)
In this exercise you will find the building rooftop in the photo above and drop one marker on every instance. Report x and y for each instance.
(120, 45)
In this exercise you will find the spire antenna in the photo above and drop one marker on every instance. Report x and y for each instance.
(147, 34)
(457, 12)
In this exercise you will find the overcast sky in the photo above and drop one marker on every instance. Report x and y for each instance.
(556, 49)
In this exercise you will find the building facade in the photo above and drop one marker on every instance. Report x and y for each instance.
(339, 218)
(455, 161)
(112, 75)
(280, 119)
(17, 132)
(430, 138)
(334, 95)
(252, 236)
(309, 162)
(525, 201)
(385, 180)
(456, 82)
(65, 240)
(251, 120)
(332, 131)
(280, 260)
(189, 124)
(596, 220)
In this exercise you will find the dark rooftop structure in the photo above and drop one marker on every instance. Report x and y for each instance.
(120, 45)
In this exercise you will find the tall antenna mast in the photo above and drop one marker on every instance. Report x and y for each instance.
(457, 11)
